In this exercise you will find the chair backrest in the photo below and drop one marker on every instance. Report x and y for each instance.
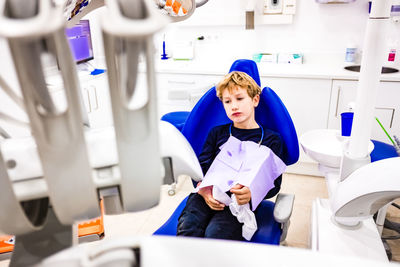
(271, 113)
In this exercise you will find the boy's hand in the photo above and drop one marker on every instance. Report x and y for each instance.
(206, 193)
(242, 193)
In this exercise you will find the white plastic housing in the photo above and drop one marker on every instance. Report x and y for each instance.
(167, 251)
(175, 145)
(367, 189)
(326, 146)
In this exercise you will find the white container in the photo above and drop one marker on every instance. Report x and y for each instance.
(269, 58)
(351, 54)
(290, 58)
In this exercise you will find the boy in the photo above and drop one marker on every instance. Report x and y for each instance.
(203, 215)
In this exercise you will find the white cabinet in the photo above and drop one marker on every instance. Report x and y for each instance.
(305, 99)
(175, 92)
(307, 103)
(96, 98)
(387, 108)
(180, 92)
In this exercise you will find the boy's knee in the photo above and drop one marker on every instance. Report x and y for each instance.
(189, 226)
(220, 232)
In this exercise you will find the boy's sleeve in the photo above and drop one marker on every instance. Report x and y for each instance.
(208, 153)
(276, 146)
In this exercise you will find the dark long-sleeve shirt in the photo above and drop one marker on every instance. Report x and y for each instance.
(220, 134)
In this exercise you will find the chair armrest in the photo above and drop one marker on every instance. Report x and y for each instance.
(283, 207)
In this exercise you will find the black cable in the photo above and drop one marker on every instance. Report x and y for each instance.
(393, 237)
(396, 205)
(387, 249)
(392, 225)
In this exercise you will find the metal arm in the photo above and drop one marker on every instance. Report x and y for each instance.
(58, 133)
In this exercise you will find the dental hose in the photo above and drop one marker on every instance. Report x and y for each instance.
(397, 145)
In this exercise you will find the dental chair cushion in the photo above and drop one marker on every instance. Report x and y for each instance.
(382, 151)
(269, 231)
(176, 118)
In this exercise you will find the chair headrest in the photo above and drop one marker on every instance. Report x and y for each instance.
(247, 66)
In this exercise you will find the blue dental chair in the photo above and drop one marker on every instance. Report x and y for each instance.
(382, 151)
(272, 218)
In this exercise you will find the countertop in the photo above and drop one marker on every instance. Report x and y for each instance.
(311, 71)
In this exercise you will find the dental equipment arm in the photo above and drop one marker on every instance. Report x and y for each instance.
(62, 165)
(58, 133)
(351, 202)
(93, 4)
(371, 64)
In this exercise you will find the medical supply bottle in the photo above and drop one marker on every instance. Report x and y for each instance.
(351, 52)
(392, 55)
(392, 48)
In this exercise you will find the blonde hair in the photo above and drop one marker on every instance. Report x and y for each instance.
(238, 78)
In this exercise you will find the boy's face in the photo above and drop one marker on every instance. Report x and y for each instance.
(239, 106)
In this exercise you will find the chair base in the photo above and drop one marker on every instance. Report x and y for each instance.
(328, 237)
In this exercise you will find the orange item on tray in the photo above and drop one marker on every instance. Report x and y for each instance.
(92, 227)
(6, 243)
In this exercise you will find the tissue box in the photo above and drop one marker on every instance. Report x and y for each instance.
(265, 57)
(290, 58)
(270, 58)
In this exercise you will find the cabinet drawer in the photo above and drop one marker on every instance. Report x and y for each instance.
(181, 92)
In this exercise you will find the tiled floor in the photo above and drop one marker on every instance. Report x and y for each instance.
(305, 188)
(146, 222)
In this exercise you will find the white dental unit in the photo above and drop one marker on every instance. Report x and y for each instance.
(343, 224)
(55, 178)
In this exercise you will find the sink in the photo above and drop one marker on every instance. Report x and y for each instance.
(384, 69)
(326, 146)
